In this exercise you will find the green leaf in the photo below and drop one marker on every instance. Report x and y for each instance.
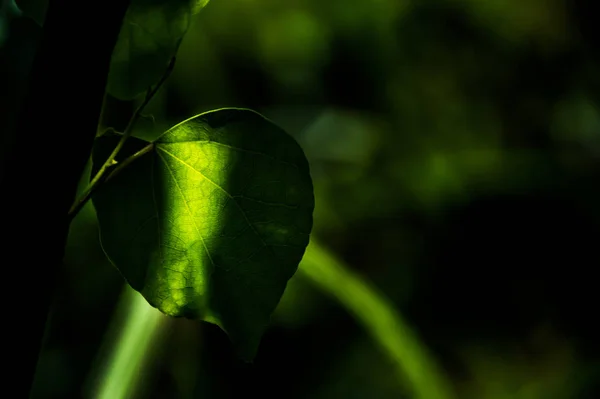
(150, 37)
(212, 222)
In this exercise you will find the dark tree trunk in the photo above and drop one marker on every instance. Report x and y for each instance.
(51, 145)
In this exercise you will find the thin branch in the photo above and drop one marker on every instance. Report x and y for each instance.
(100, 177)
(107, 130)
(115, 171)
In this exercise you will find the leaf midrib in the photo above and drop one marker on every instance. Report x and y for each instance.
(220, 188)
(187, 207)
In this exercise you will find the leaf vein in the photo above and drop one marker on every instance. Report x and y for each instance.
(187, 207)
(222, 189)
(216, 143)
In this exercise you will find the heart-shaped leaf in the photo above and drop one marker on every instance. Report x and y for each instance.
(211, 221)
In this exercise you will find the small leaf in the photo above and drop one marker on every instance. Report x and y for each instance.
(212, 222)
(150, 37)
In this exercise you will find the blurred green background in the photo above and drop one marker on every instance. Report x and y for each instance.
(454, 147)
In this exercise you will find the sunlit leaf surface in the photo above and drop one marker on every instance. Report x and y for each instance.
(212, 222)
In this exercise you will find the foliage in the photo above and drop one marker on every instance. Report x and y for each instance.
(211, 221)
(150, 36)
(413, 117)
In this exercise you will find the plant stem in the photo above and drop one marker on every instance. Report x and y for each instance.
(100, 176)
(126, 355)
(414, 364)
(87, 195)
(381, 320)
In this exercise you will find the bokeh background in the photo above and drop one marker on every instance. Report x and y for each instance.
(454, 147)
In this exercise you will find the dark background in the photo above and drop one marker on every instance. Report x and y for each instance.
(454, 147)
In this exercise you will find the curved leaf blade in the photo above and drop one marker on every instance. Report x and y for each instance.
(149, 38)
(211, 223)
